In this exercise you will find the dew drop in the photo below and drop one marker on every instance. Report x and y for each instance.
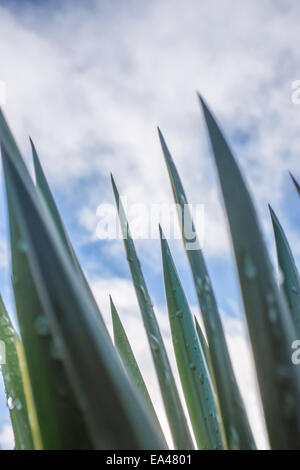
(4, 321)
(179, 314)
(280, 277)
(9, 340)
(281, 374)
(22, 246)
(142, 290)
(10, 403)
(41, 325)
(154, 343)
(14, 280)
(250, 270)
(199, 286)
(167, 378)
(233, 439)
(18, 404)
(272, 314)
(289, 405)
(270, 298)
(7, 377)
(207, 286)
(56, 351)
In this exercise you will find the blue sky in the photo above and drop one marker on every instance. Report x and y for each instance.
(90, 81)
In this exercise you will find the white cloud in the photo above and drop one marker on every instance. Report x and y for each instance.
(90, 85)
(3, 254)
(6, 437)
(91, 100)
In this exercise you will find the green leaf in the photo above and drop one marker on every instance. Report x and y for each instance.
(113, 415)
(13, 383)
(48, 198)
(204, 345)
(131, 366)
(295, 183)
(235, 421)
(291, 281)
(190, 359)
(269, 322)
(175, 414)
(61, 425)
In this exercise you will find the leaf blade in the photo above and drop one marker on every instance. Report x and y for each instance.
(131, 366)
(190, 359)
(178, 424)
(286, 262)
(48, 198)
(297, 186)
(13, 384)
(235, 420)
(269, 324)
(112, 412)
(56, 416)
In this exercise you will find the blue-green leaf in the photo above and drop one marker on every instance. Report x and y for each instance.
(269, 322)
(131, 366)
(112, 413)
(297, 186)
(175, 414)
(291, 281)
(235, 421)
(191, 363)
(48, 198)
(13, 383)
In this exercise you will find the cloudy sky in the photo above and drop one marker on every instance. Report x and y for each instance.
(90, 81)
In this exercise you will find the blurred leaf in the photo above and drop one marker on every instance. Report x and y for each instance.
(235, 421)
(48, 198)
(13, 383)
(112, 413)
(126, 354)
(59, 419)
(270, 327)
(295, 183)
(175, 414)
(190, 359)
(291, 281)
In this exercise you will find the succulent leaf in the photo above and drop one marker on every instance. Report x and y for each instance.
(270, 326)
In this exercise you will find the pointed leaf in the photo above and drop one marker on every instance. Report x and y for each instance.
(48, 198)
(177, 421)
(270, 327)
(291, 281)
(113, 414)
(60, 422)
(13, 383)
(190, 359)
(295, 183)
(131, 366)
(203, 342)
(234, 417)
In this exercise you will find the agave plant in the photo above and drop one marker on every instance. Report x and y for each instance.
(70, 386)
